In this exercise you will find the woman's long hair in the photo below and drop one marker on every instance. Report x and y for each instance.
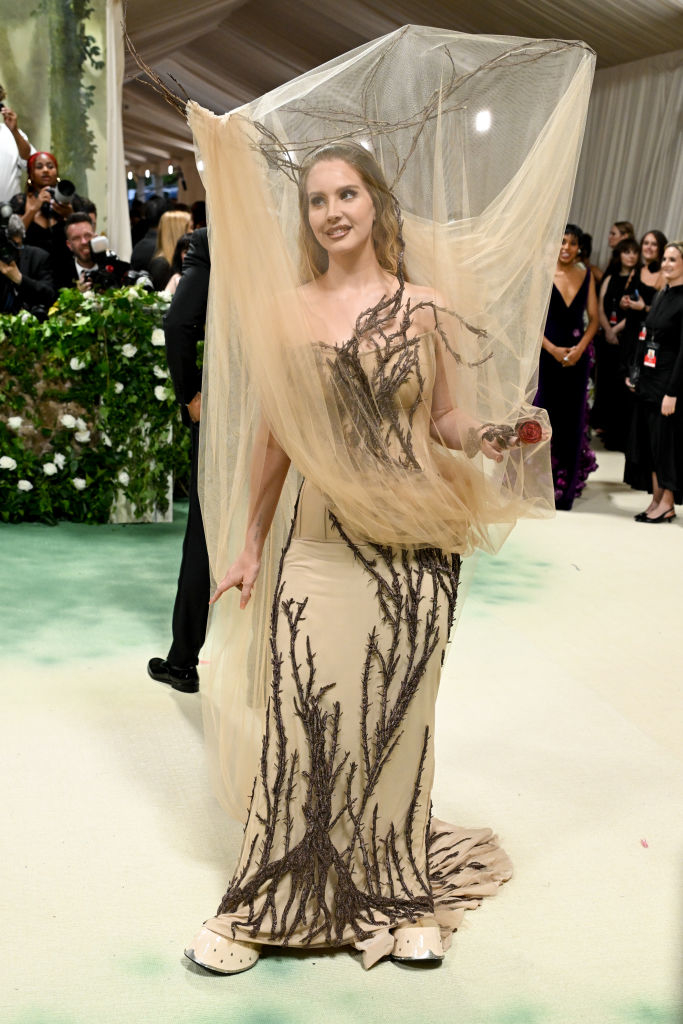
(386, 231)
(661, 240)
(172, 226)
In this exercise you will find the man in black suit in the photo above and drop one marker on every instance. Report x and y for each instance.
(26, 280)
(184, 327)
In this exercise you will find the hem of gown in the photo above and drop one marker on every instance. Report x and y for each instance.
(465, 866)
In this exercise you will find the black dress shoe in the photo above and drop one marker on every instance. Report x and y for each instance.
(665, 517)
(184, 679)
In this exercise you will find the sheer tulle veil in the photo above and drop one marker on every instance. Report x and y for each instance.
(478, 138)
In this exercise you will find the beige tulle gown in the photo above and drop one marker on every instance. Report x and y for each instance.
(340, 845)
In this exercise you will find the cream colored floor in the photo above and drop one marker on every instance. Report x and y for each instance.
(559, 723)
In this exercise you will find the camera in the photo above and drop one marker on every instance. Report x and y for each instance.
(109, 271)
(62, 193)
(8, 250)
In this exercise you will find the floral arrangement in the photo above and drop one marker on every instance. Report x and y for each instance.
(88, 413)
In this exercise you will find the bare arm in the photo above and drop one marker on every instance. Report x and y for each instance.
(577, 350)
(269, 466)
(23, 145)
(603, 322)
(450, 426)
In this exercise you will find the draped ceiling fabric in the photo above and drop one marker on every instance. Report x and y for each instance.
(227, 52)
(117, 219)
(632, 161)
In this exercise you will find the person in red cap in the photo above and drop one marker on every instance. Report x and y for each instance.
(42, 212)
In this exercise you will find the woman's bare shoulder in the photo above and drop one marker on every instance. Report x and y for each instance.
(420, 293)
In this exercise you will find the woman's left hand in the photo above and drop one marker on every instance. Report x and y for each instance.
(668, 405)
(628, 302)
(62, 210)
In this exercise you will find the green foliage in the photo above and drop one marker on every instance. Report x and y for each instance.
(72, 51)
(88, 412)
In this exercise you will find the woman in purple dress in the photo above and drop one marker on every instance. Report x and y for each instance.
(563, 371)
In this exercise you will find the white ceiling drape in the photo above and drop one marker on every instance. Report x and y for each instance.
(631, 164)
(116, 221)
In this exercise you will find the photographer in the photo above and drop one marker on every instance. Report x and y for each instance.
(25, 273)
(87, 269)
(46, 204)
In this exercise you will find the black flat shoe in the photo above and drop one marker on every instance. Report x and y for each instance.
(184, 679)
(665, 517)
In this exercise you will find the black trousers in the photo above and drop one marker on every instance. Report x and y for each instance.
(191, 607)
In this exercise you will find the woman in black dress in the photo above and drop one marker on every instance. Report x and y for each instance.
(636, 303)
(611, 393)
(563, 370)
(655, 456)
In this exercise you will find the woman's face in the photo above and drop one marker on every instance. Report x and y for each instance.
(615, 236)
(672, 266)
(569, 250)
(629, 258)
(43, 172)
(649, 249)
(340, 208)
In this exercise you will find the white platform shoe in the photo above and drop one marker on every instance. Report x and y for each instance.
(221, 955)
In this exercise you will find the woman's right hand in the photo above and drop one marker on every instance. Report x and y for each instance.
(559, 353)
(241, 574)
(34, 201)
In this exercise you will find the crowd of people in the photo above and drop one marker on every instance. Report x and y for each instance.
(621, 331)
(48, 232)
(597, 342)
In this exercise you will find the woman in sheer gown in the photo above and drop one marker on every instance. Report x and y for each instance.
(340, 847)
(394, 402)
(564, 368)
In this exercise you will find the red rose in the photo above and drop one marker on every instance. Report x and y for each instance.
(529, 432)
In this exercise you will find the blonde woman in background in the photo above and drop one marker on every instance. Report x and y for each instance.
(172, 226)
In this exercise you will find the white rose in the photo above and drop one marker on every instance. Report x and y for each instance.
(25, 485)
(129, 350)
(118, 387)
(49, 469)
(81, 424)
(67, 420)
(59, 460)
(158, 337)
(160, 392)
(78, 482)
(160, 372)
(106, 440)
(14, 422)
(7, 462)
(82, 436)
(76, 364)
(124, 478)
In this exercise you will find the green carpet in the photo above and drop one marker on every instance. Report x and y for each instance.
(551, 727)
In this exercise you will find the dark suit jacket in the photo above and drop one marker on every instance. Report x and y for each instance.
(185, 320)
(143, 252)
(37, 285)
